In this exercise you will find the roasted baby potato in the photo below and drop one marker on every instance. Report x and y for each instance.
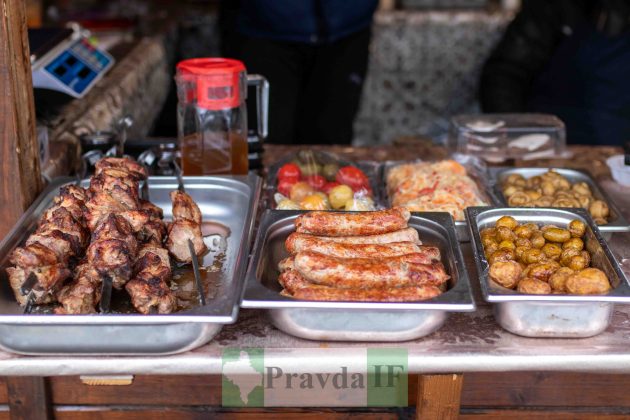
(542, 271)
(523, 231)
(552, 251)
(488, 240)
(516, 179)
(506, 273)
(506, 221)
(518, 199)
(505, 234)
(555, 234)
(501, 255)
(599, 209)
(590, 281)
(507, 245)
(577, 228)
(533, 287)
(490, 249)
(538, 240)
(523, 242)
(488, 233)
(575, 243)
(578, 262)
(559, 278)
(567, 254)
(532, 256)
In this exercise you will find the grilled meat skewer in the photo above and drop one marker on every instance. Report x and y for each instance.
(186, 225)
(50, 251)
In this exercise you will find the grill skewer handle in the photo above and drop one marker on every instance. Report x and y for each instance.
(29, 283)
(195, 264)
(30, 302)
(106, 294)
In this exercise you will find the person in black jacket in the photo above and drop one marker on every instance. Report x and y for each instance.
(314, 54)
(570, 58)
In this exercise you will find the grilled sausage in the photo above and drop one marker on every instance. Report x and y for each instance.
(423, 255)
(297, 287)
(300, 242)
(328, 223)
(295, 239)
(360, 273)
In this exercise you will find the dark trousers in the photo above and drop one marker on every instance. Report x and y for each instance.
(314, 90)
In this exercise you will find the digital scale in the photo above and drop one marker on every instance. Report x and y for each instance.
(64, 60)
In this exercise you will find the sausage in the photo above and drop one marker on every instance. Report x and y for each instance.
(326, 223)
(423, 255)
(297, 287)
(295, 239)
(301, 242)
(360, 273)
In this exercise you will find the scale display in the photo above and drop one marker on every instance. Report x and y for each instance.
(72, 69)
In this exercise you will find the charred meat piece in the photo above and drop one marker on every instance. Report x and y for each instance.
(127, 165)
(112, 257)
(82, 294)
(34, 255)
(64, 246)
(184, 207)
(153, 232)
(152, 210)
(49, 279)
(149, 289)
(116, 227)
(177, 243)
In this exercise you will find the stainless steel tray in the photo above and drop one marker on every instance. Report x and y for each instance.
(354, 321)
(617, 222)
(549, 315)
(476, 171)
(231, 201)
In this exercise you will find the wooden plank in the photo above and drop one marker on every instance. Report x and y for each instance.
(20, 179)
(439, 396)
(547, 414)
(145, 390)
(186, 413)
(549, 389)
(28, 398)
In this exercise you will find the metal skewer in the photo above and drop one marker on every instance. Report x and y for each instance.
(195, 264)
(178, 174)
(106, 294)
(27, 289)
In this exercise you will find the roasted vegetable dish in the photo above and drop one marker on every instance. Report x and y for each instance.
(553, 190)
(541, 260)
(312, 181)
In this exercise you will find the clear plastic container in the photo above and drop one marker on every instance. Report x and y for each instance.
(212, 115)
(497, 137)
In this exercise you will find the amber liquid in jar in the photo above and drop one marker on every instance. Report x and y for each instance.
(213, 156)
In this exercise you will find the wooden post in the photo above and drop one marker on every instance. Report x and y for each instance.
(28, 398)
(439, 396)
(20, 179)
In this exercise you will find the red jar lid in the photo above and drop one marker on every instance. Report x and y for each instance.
(218, 81)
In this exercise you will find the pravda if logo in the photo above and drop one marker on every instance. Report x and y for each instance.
(253, 377)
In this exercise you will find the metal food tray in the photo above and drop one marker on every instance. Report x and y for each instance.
(617, 222)
(475, 169)
(549, 315)
(231, 201)
(355, 321)
(369, 168)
